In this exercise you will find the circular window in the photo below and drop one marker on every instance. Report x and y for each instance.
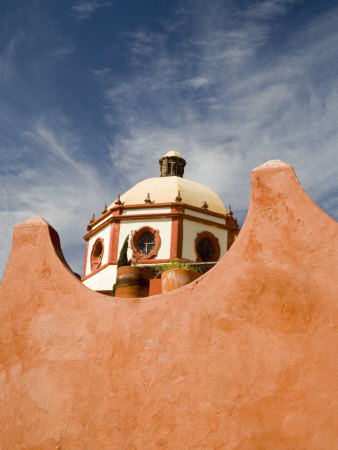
(97, 254)
(207, 247)
(145, 243)
(204, 250)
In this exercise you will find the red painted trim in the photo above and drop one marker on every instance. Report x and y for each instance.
(168, 215)
(205, 222)
(145, 216)
(177, 208)
(205, 211)
(99, 228)
(136, 236)
(213, 240)
(173, 205)
(114, 241)
(148, 205)
(86, 258)
(118, 209)
(176, 244)
(94, 272)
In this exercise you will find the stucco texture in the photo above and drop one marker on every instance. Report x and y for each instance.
(242, 358)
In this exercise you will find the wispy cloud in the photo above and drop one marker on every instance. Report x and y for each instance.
(228, 84)
(84, 9)
(62, 52)
(51, 179)
(8, 51)
(252, 104)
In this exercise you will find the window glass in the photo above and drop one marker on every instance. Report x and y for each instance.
(146, 243)
(204, 249)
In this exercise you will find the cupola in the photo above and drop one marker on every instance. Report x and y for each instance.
(172, 164)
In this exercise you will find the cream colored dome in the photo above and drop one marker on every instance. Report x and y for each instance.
(165, 190)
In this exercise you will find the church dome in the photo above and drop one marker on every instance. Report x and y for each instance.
(165, 190)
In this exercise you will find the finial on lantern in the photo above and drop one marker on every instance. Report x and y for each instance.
(118, 201)
(148, 200)
(178, 197)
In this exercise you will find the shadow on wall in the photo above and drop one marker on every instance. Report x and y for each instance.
(242, 358)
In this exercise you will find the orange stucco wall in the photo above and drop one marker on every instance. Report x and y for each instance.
(243, 358)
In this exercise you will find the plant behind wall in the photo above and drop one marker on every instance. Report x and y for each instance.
(177, 264)
(123, 259)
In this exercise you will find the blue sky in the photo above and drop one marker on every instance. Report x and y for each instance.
(93, 93)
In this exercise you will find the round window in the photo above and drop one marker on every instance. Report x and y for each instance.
(204, 250)
(146, 243)
(97, 253)
(207, 247)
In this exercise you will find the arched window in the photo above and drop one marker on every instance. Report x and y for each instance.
(97, 254)
(207, 247)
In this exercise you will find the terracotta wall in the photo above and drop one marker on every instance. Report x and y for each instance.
(243, 358)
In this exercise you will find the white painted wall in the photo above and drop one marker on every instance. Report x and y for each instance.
(103, 280)
(163, 225)
(128, 212)
(105, 235)
(190, 230)
(204, 216)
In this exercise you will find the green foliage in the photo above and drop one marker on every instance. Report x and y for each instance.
(123, 260)
(123, 257)
(177, 264)
(113, 290)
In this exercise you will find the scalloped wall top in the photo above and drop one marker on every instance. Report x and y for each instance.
(242, 358)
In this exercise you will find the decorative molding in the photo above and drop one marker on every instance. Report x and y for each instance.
(214, 243)
(121, 206)
(176, 212)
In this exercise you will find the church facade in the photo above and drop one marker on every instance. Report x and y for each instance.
(163, 218)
